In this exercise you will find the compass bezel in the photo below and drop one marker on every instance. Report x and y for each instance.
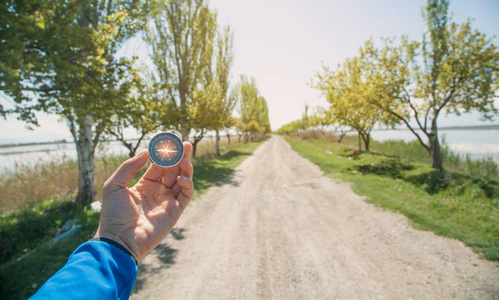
(168, 136)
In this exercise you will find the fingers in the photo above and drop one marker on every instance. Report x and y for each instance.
(154, 172)
(186, 168)
(187, 149)
(170, 176)
(187, 191)
(122, 176)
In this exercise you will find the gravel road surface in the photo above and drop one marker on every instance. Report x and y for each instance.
(279, 229)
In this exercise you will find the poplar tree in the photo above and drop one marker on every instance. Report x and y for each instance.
(181, 36)
(253, 110)
(222, 117)
(212, 105)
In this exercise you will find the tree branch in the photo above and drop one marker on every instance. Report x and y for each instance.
(414, 110)
(406, 123)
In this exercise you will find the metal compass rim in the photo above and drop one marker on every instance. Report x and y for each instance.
(153, 151)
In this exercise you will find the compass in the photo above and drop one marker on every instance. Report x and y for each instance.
(166, 149)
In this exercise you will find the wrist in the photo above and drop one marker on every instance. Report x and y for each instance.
(117, 242)
(117, 245)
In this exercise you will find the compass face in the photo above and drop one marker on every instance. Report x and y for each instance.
(166, 149)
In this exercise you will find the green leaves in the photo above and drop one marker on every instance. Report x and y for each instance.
(351, 90)
(59, 57)
(453, 70)
(193, 62)
(253, 110)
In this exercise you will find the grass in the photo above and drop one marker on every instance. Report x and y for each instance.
(27, 260)
(458, 204)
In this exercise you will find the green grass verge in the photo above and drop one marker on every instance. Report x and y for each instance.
(452, 205)
(25, 265)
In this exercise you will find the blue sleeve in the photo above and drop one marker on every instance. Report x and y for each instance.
(96, 270)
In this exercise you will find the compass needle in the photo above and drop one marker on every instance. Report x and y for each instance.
(166, 149)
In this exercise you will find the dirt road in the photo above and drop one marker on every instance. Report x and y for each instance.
(279, 229)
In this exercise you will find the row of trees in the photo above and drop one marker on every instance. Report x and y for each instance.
(253, 110)
(320, 118)
(452, 70)
(60, 57)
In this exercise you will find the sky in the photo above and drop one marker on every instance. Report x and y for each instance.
(284, 43)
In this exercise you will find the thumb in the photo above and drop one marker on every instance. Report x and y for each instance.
(124, 174)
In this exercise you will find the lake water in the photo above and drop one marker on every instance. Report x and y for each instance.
(13, 157)
(477, 143)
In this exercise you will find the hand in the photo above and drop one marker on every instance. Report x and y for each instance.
(140, 217)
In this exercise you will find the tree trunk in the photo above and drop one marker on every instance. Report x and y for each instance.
(342, 135)
(131, 150)
(228, 137)
(86, 164)
(217, 142)
(360, 144)
(367, 140)
(435, 153)
(194, 147)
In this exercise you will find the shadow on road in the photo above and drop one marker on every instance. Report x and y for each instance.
(164, 258)
(215, 172)
(178, 233)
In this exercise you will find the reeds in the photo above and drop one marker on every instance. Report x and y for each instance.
(58, 176)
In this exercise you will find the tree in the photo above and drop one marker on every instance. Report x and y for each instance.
(58, 57)
(231, 121)
(290, 128)
(305, 119)
(253, 110)
(350, 90)
(324, 117)
(263, 116)
(182, 35)
(212, 107)
(226, 101)
(202, 112)
(453, 70)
